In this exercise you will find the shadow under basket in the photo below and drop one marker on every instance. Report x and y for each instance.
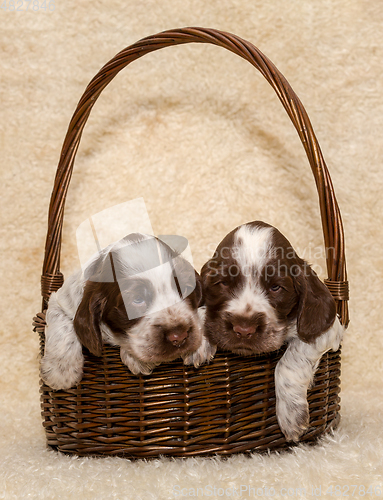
(222, 408)
(227, 406)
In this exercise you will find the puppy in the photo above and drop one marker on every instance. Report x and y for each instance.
(259, 295)
(138, 294)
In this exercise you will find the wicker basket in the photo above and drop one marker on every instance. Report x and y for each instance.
(225, 407)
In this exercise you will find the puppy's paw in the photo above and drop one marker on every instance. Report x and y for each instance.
(135, 365)
(61, 373)
(293, 419)
(203, 354)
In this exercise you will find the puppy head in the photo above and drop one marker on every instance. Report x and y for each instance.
(143, 296)
(257, 291)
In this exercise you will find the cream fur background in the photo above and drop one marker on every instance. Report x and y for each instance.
(202, 137)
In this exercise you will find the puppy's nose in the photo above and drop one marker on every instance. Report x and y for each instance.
(244, 331)
(177, 337)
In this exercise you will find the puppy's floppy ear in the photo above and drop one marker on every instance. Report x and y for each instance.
(88, 317)
(316, 309)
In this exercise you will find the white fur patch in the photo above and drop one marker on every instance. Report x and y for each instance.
(251, 250)
(206, 350)
(166, 294)
(249, 300)
(62, 364)
(294, 375)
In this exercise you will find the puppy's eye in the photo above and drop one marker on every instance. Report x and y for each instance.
(275, 288)
(221, 283)
(138, 301)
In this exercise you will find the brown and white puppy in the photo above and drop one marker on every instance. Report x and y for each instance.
(138, 294)
(259, 295)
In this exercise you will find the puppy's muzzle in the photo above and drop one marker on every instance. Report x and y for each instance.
(245, 328)
(177, 336)
(244, 331)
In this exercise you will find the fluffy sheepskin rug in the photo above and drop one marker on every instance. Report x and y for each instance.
(199, 134)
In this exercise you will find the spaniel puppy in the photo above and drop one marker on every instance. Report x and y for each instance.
(138, 294)
(260, 295)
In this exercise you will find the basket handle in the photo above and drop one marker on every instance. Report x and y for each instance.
(337, 283)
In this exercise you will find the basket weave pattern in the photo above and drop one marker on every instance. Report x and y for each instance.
(225, 407)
